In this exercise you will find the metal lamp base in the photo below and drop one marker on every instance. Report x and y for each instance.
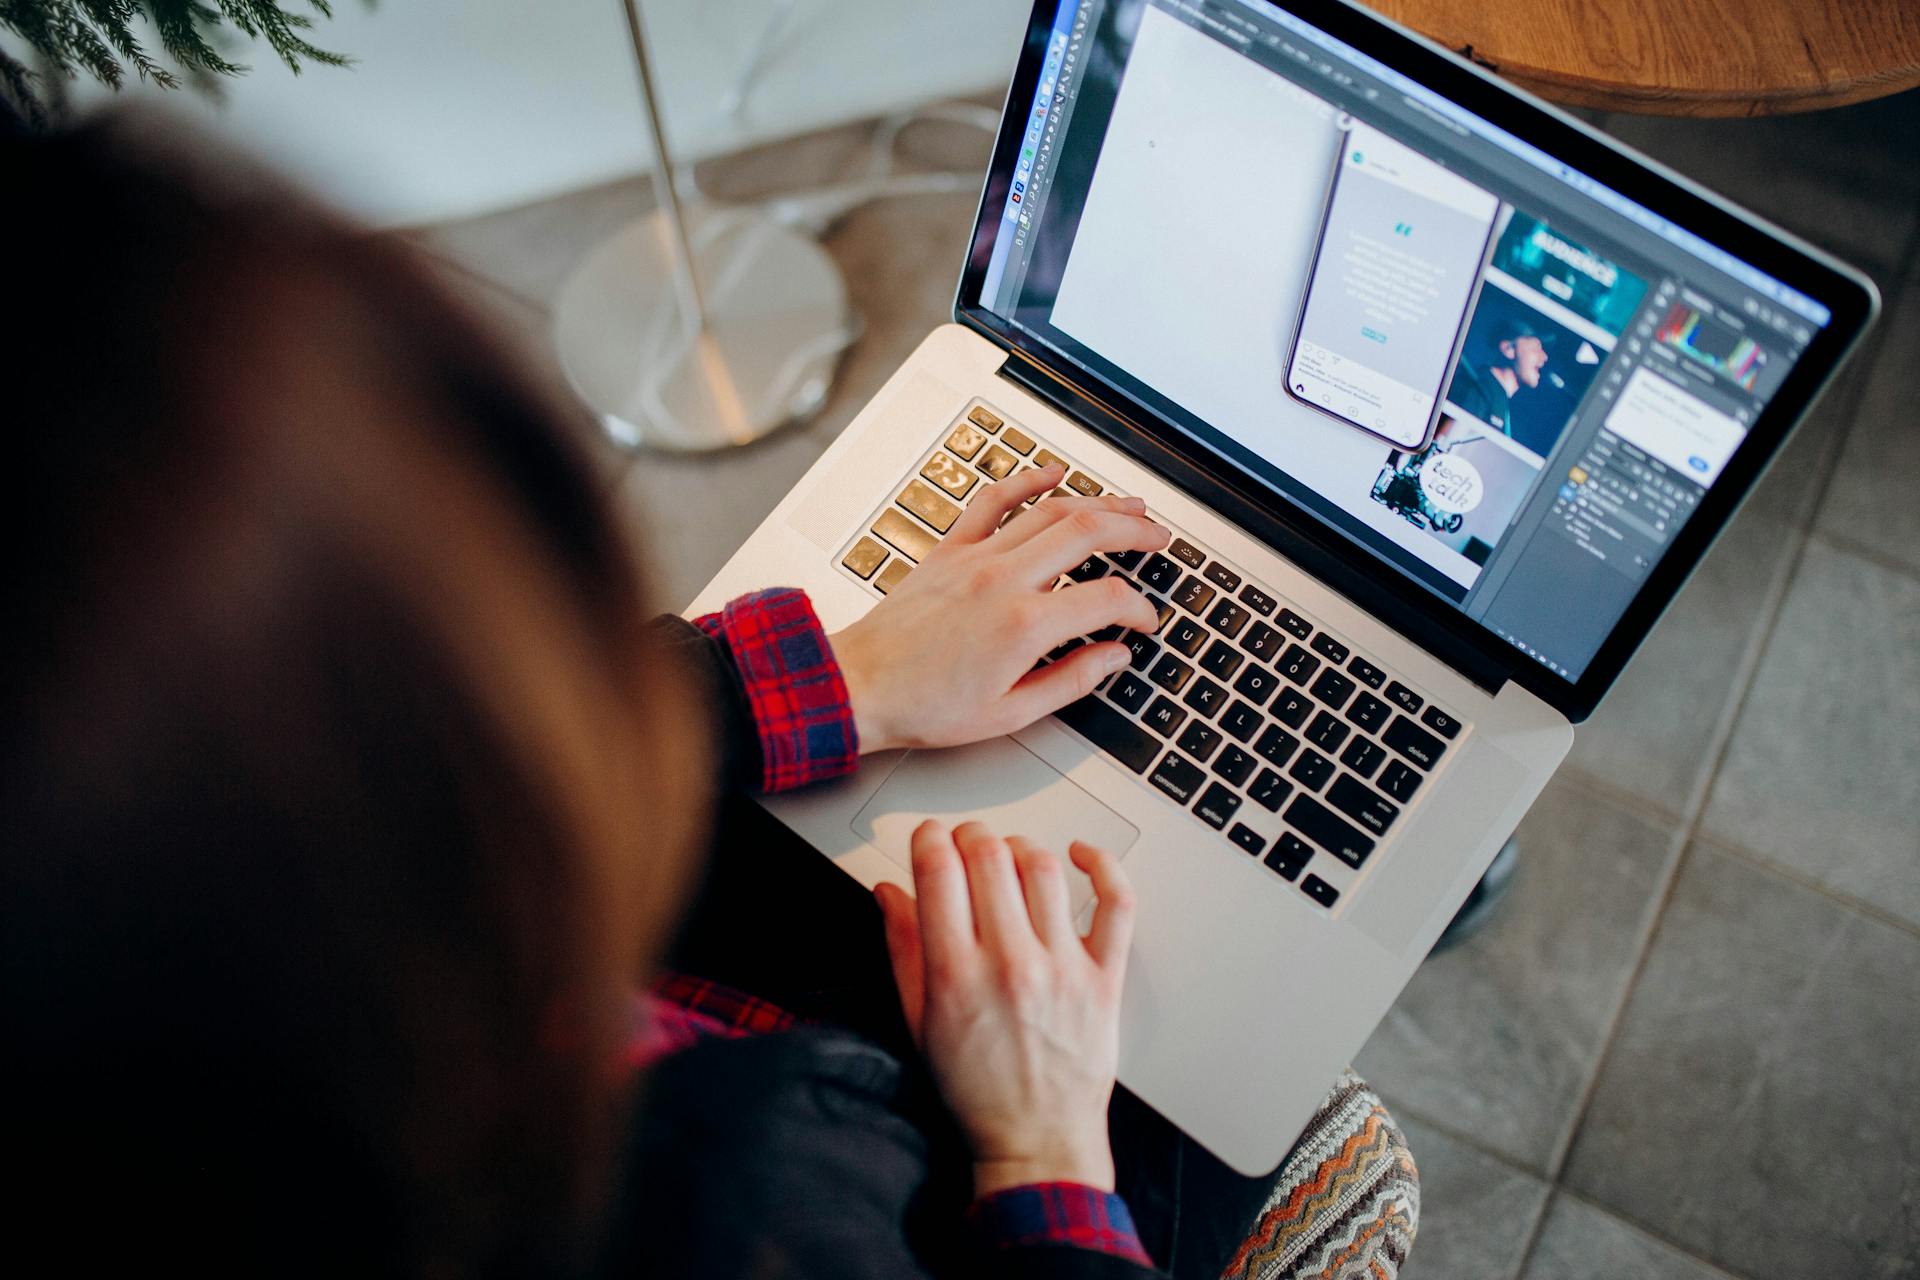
(777, 320)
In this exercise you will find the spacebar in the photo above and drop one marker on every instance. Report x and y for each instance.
(1112, 732)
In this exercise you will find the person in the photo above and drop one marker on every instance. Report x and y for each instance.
(1515, 359)
(354, 798)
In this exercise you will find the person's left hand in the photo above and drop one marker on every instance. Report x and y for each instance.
(949, 657)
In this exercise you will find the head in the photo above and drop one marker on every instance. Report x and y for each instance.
(1521, 349)
(339, 824)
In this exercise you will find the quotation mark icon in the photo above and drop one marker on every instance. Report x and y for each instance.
(1403, 228)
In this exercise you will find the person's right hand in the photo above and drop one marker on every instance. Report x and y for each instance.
(1019, 1017)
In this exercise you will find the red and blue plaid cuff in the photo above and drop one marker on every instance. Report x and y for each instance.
(1058, 1213)
(680, 1011)
(799, 699)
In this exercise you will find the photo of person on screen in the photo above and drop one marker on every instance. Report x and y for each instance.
(1504, 380)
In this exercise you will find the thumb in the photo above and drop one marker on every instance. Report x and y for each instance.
(904, 949)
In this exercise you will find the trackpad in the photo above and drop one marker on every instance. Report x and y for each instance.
(1002, 784)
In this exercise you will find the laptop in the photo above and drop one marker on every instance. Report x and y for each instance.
(1442, 395)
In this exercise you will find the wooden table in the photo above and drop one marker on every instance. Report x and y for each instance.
(1683, 57)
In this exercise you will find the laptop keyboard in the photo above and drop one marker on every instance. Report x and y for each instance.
(1274, 734)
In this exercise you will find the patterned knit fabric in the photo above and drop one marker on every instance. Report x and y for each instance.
(1345, 1205)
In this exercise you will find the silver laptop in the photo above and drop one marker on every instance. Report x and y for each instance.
(1442, 394)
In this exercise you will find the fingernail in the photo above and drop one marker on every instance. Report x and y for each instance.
(1116, 659)
(1137, 505)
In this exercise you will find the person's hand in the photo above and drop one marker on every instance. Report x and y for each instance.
(949, 656)
(1019, 1017)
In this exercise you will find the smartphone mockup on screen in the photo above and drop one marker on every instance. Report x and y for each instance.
(1398, 263)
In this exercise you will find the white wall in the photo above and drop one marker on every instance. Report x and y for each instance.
(458, 106)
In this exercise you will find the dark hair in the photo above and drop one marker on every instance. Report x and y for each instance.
(335, 832)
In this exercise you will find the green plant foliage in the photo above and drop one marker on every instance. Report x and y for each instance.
(65, 39)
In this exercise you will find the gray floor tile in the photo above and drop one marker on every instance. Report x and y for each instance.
(1580, 1242)
(1475, 1212)
(1844, 179)
(1822, 773)
(1758, 1104)
(1871, 498)
(1500, 1036)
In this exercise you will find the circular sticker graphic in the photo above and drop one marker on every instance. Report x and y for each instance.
(1452, 484)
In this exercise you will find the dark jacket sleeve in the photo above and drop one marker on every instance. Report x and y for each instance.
(722, 692)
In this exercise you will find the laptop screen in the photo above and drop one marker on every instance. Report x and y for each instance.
(1505, 380)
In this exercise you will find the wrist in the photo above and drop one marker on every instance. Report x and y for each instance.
(1089, 1169)
(870, 728)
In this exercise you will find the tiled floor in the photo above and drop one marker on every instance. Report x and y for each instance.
(1689, 1044)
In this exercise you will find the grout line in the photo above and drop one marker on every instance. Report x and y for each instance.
(1793, 875)
(1600, 787)
(1705, 1263)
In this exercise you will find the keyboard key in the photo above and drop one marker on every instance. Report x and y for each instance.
(1178, 777)
(966, 441)
(1256, 684)
(1186, 553)
(1205, 697)
(1017, 440)
(1164, 610)
(1128, 560)
(1269, 791)
(1228, 618)
(1222, 577)
(1326, 732)
(1329, 830)
(1064, 648)
(1276, 745)
(908, 538)
(1159, 574)
(1107, 634)
(1358, 801)
(1413, 742)
(1369, 712)
(1089, 569)
(1112, 732)
(1333, 688)
(1409, 701)
(1143, 647)
(1319, 890)
(1290, 855)
(1247, 838)
(1170, 673)
(925, 501)
(1235, 765)
(1257, 600)
(997, 462)
(1263, 642)
(1363, 756)
(954, 480)
(1200, 741)
(1084, 485)
(1295, 625)
(1217, 806)
(1048, 458)
(866, 556)
(1291, 709)
(985, 419)
(1399, 781)
(1193, 595)
(892, 576)
(1222, 659)
(1366, 673)
(1311, 770)
(1186, 635)
(1240, 721)
(1440, 722)
(1131, 692)
(1297, 665)
(1163, 717)
(1330, 649)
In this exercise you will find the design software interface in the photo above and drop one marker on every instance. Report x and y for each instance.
(1502, 378)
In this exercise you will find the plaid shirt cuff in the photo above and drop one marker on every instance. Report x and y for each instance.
(792, 682)
(680, 1011)
(1058, 1213)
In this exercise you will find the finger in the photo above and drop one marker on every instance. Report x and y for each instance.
(940, 890)
(1044, 514)
(1072, 538)
(904, 948)
(1043, 878)
(1086, 607)
(984, 514)
(1041, 693)
(1112, 931)
(999, 910)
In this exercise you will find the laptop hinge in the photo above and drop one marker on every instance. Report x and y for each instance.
(1223, 492)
